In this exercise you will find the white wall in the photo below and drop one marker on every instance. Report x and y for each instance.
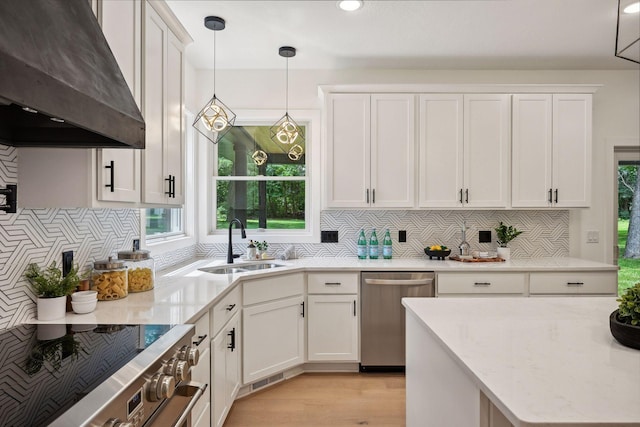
(616, 109)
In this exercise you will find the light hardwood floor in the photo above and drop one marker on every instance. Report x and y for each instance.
(318, 400)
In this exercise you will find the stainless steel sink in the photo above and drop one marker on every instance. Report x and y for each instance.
(240, 268)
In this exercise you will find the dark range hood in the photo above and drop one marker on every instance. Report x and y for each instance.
(55, 60)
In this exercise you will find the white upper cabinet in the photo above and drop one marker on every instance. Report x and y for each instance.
(370, 151)
(464, 150)
(163, 112)
(551, 150)
(118, 174)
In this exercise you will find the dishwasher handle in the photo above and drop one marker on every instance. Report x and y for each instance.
(399, 282)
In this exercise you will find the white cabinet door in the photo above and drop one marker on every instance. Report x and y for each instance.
(348, 150)
(532, 146)
(572, 123)
(332, 327)
(441, 150)
(163, 112)
(551, 150)
(225, 370)
(273, 337)
(393, 151)
(370, 150)
(487, 124)
(118, 173)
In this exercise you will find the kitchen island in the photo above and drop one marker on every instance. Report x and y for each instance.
(518, 361)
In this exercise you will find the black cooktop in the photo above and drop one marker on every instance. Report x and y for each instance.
(46, 368)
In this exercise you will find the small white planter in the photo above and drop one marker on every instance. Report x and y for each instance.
(504, 253)
(52, 308)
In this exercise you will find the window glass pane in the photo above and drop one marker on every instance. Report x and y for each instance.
(163, 221)
(236, 148)
(261, 204)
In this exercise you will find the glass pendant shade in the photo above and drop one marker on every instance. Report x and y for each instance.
(214, 120)
(628, 31)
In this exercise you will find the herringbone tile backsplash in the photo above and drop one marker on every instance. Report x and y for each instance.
(40, 235)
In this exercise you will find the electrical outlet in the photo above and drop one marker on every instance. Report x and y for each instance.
(402, 236)
(484, 236)
(329, 236)
(67, 262)
(593, 236)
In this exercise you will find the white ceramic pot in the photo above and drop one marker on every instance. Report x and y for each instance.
(52, 308)
(504, 253)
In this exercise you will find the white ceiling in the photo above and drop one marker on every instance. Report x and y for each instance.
(429, 34)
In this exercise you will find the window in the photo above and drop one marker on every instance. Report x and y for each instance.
(279, 201)
(163, 221)
(270, 195)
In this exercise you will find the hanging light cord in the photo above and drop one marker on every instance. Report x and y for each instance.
(286, 103)
(214, 63)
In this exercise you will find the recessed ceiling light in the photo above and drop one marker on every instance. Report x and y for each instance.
(30, 110)
(350, 5)
(57, 120)
(633, 8)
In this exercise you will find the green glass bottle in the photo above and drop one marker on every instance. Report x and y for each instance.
(362, 245)
(373, 245)
(387, 250)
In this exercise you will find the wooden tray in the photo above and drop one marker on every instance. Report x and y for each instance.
(457, 258)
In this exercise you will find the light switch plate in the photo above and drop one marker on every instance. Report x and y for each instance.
(593, 236)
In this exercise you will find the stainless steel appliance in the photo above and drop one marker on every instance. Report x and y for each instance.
(98, 375)
(383, 318)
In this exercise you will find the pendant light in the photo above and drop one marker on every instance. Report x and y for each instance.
(215, 119)
(286, 131)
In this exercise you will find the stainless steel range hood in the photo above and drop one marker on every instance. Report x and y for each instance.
(55, 60)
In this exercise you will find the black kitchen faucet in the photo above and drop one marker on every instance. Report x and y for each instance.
(230, 247)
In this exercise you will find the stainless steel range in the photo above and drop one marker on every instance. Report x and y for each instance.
(97, 375)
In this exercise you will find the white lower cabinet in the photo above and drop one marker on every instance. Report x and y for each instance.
(225, 370)
(478, 284)
(332, 327)
(272, 325)
(574, 283)
(201, 372)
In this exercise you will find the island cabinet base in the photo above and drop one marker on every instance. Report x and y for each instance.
(439, 393)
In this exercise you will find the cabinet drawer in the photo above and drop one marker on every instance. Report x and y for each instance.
(224, 310)
(579, 282)
(272, 288)
(332, 283)
(481, 283)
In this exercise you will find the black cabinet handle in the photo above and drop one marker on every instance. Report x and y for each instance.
(231, 307)
(367, 196)
(200, 339)
(354, 308)
(374, 195)
(556, 196)
(466, 195)
(575, 283)
(168, 192)
(461, 195)
(332, 283)
(302, 304)
(550, 196)
(482, 284)
(232, 344)
(111, 185)
(173, 186)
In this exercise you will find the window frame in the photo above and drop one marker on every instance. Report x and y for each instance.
(207, 172)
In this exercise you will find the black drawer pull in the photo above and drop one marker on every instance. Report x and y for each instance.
(231, 307)
(354, 308)
(482, 284)
(232, 334)
(302, 304)
(200, 339)
(332, 283)
(575, 283)
(111, 186)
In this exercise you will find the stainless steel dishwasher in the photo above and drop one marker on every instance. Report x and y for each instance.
(382, 316)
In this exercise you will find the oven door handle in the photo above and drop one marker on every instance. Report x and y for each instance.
(190, 392)
(399, 282)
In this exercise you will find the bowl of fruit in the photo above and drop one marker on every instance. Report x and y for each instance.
(437, 251)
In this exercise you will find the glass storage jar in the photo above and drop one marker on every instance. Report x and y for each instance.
(109, 279)
(141, 269)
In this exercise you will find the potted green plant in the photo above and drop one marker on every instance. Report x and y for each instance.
(51, 289)
(504, 235)
(625, 321)
(262, 249)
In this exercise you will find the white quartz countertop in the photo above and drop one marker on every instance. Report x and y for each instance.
(541, 361)
(183, 293)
